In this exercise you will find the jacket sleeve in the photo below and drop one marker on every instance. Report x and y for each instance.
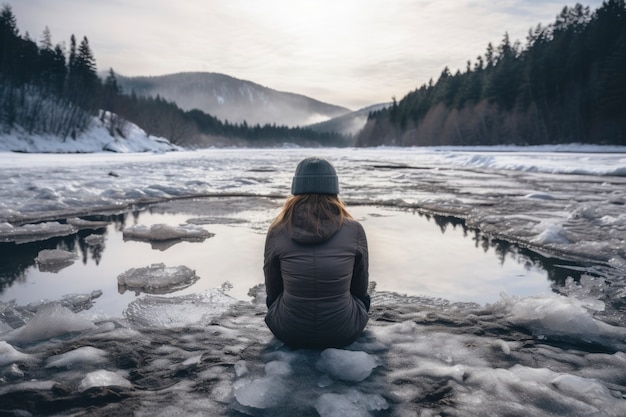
(360, 274)
(271, 269)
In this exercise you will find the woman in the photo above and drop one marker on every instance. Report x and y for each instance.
(316, 264)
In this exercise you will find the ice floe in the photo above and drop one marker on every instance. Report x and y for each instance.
(152, 311)
(156, 279)
(162, 236)
(54, 260)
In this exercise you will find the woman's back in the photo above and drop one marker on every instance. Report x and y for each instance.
(316, 264)
(318, 306)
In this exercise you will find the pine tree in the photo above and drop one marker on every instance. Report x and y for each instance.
(9, 41)
(83, 81)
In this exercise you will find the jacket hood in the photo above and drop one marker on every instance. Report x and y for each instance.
(304, 231)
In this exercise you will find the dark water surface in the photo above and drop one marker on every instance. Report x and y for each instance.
(410, 253)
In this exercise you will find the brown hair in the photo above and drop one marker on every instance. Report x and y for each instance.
(317, 207)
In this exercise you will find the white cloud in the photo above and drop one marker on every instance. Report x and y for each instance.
(346, 52)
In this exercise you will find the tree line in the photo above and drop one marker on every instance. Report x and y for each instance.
(53, 89)
(566, 84)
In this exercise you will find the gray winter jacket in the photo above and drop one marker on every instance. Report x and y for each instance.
(316, 283)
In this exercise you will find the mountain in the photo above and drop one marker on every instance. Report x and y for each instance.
(350, 123)
(232, 99)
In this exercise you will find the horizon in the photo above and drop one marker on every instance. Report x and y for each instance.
(350, 54)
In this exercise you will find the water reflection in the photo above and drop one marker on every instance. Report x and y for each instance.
(411, 252)
(557, 269)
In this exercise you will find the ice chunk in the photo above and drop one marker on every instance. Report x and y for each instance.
(264, 392)
(156, 279)
(504, 346)
(582, 387)
(6, 227)
(181, 311)
(241, 369)
(51, 320)
(279, 368)
(13, 316)
(9, 355)
(586, 291)
(159, 232)
(82, 224)
(74, 302)
(80, 356)
(556, 315)
(554, 233)
(34, 232)
(55, 256)
(352, 404)
(103, 378)
(590, 391)
(346, 365)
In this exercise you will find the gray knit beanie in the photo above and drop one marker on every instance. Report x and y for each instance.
(315, 175)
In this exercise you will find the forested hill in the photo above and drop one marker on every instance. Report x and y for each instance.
(232, 99)
(566, 84)
(47, 89)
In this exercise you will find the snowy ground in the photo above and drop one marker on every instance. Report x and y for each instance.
(210, 354)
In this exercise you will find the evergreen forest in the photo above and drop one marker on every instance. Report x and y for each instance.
(566, 84)
(54, 89)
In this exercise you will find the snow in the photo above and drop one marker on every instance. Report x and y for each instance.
(207, 353)
(95, 139)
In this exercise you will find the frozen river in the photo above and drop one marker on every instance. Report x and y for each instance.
(500, 284)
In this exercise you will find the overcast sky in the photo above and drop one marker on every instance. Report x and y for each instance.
(351, 53)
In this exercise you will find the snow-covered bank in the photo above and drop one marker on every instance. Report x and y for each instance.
(95, 139)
